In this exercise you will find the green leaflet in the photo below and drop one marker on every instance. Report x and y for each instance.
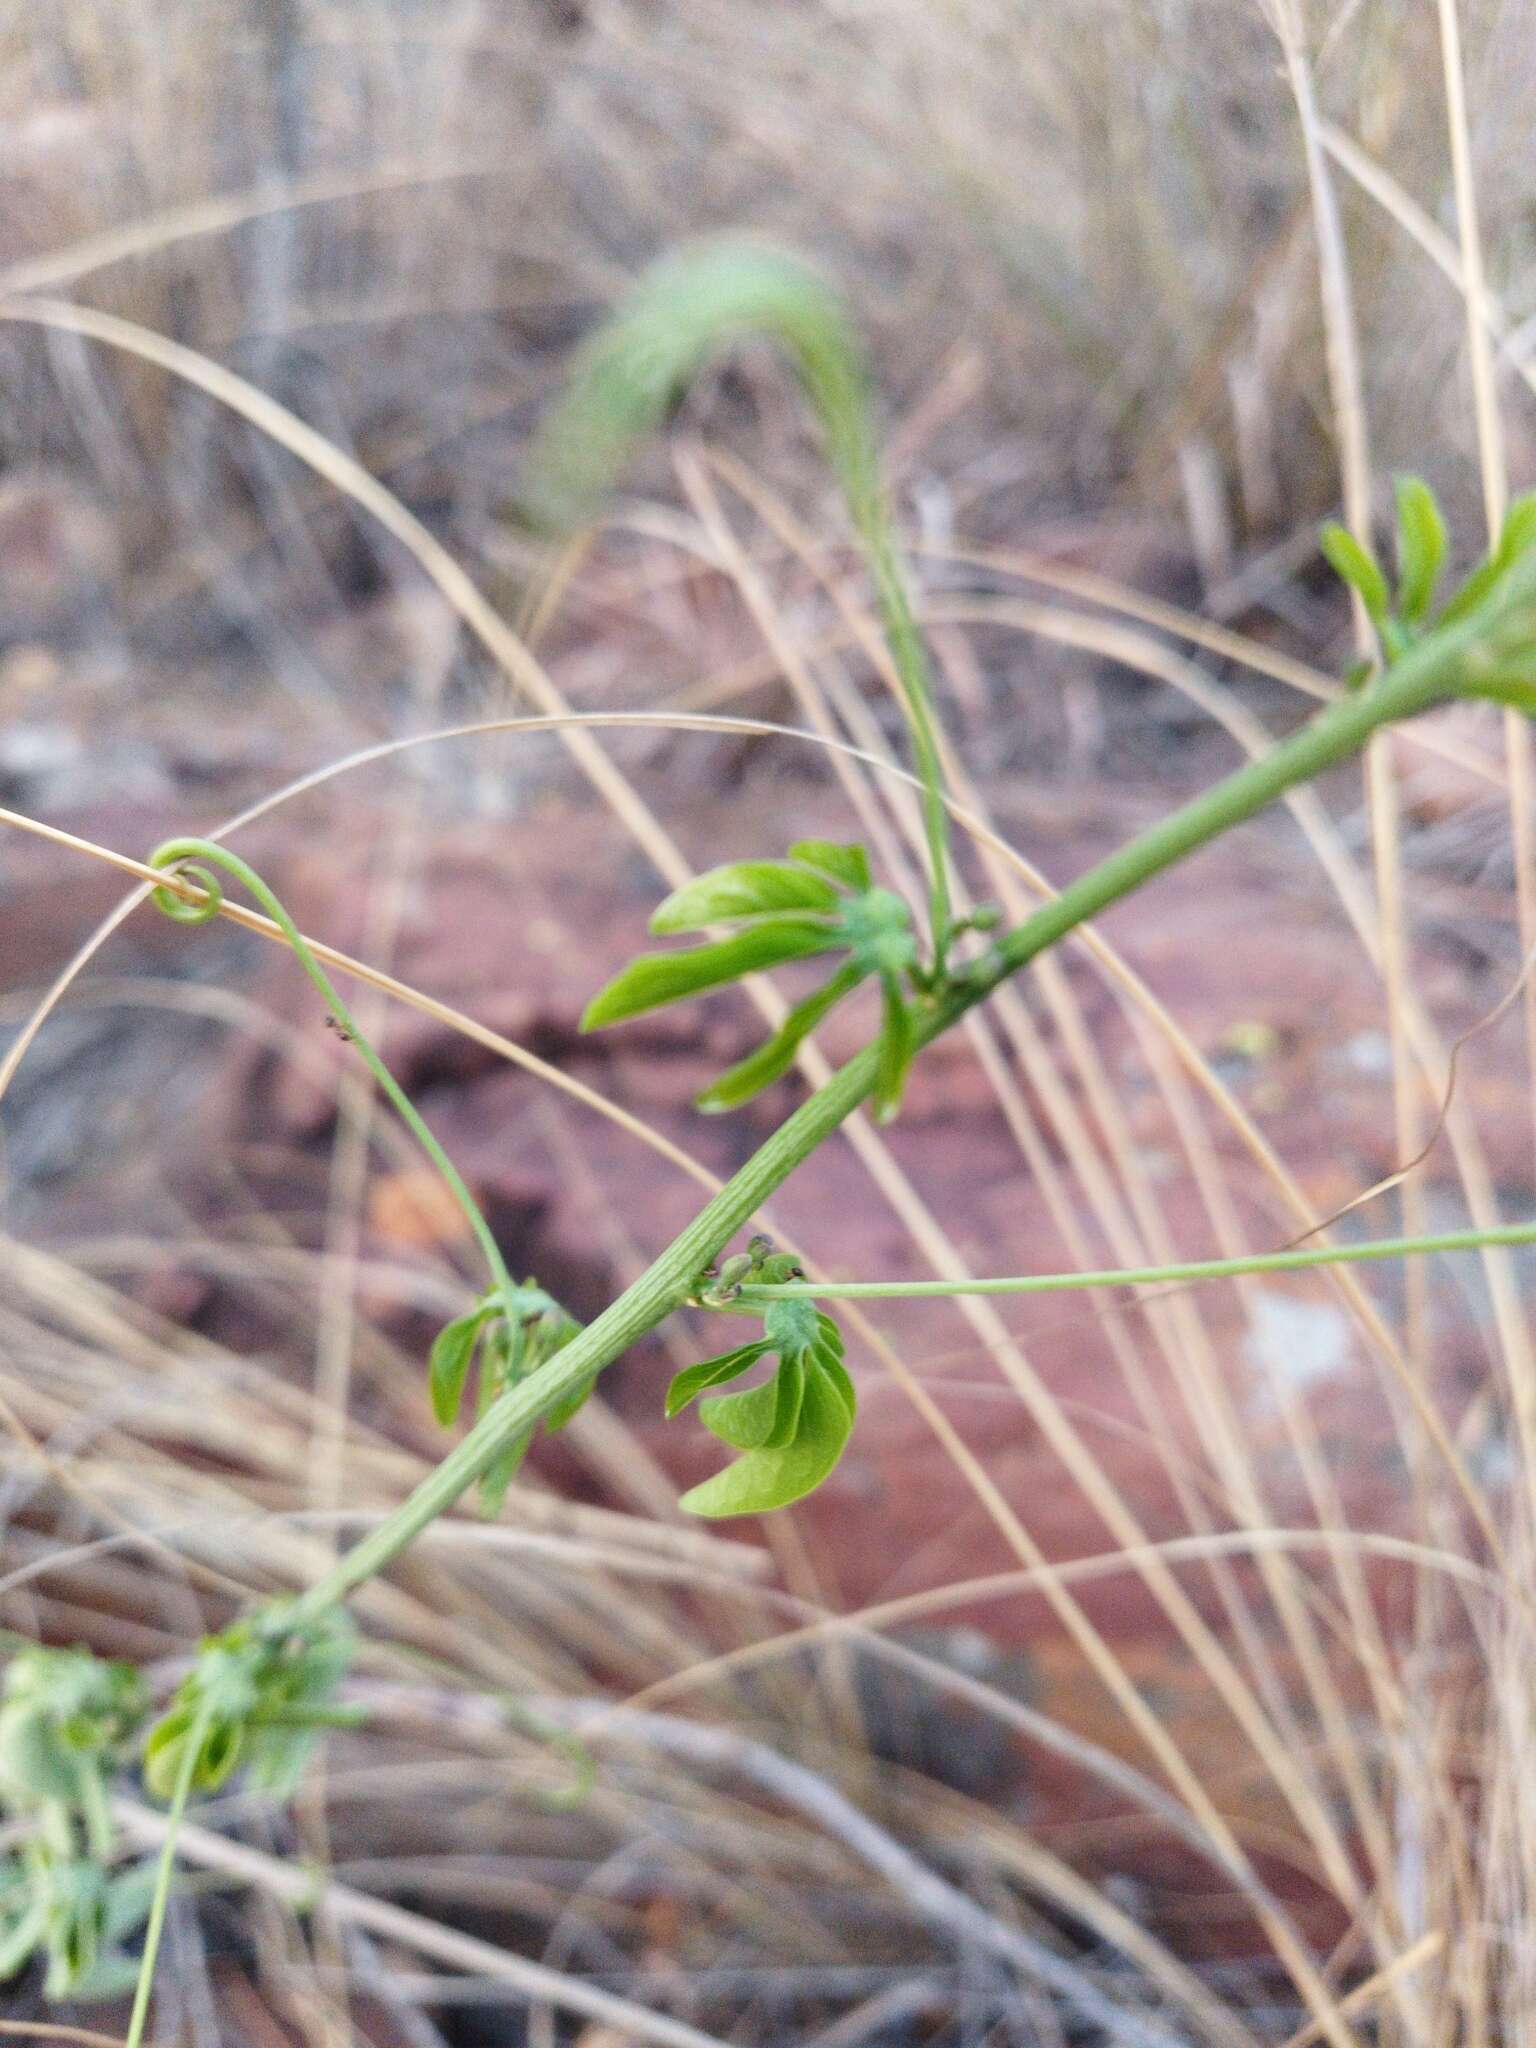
(1358, 568)
(1422, 544)
(1516, 535)
(656, 979)
(744, 1421)
(897, 1045)
(694, 1380)
(1421, 547)
(745, 888)
(777, 1055)
(452, 1354)
(761, 1480)
(828, 1336)
(848, 864)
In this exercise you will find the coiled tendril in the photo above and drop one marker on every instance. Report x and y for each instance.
(184, 909)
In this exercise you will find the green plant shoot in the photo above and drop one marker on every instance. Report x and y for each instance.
(641, 361)
(819, 901)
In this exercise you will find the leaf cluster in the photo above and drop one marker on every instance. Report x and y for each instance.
(511, 1334)
(820, 901)
(257, 1697)
(1403, 612)
(68, 1722)
(791, 1429)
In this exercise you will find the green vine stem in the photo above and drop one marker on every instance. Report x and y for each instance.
(165, 1872)
(189, 859)
(1452, 659)
(753, 1295)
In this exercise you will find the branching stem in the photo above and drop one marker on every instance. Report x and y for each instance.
(753, 1296)
(1426, 674)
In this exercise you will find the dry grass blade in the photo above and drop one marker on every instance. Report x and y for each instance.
(151, 233)
(300, 1889)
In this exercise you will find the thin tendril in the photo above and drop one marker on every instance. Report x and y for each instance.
(1510, 1234)
(188, 859)
(165, 1871)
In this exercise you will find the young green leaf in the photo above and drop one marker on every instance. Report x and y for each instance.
(745, 1421)
(897, 1045)
(847, 864)
(562, 1412)
(762, 1480)
(1355, 566)
(499, 1475)
(789, 1391)
(452, 1354)
(777, 1055)
(745, 888)
(655, 979)
(1421, 546)
(166, 1747)
(694, 1380)
(761, 1417)
(839, 1379)
(1477, 587)
(1519, 529)
(828, 1336)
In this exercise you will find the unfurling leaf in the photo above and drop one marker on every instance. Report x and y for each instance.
(1357, 567)
(655, 979)
(1421, 546)
(745, 888)
(257, 1695)
(791, 1429)
(761, 1480)
(879, 932)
